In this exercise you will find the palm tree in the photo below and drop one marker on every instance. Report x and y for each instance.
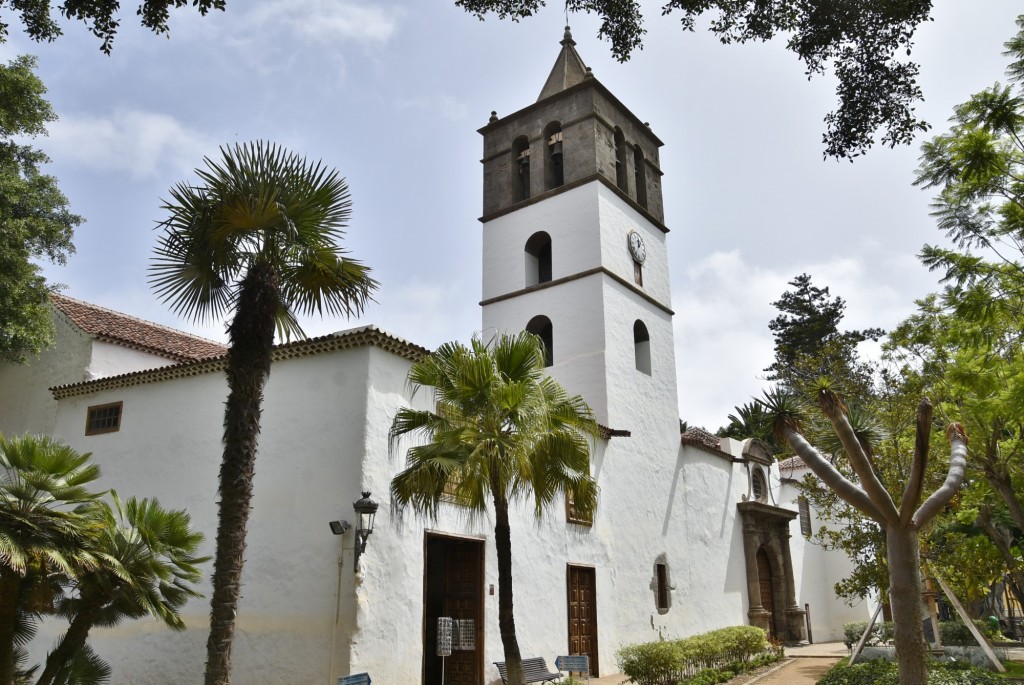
(148, 565)
(47, 527)
(259, 236)
(501, 430)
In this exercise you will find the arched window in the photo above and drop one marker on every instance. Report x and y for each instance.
(758, 486)
(621, 173)
(520, 169)
(640, 170)
(541, 327)
(538, 259)
(553, 176)
(642, 347)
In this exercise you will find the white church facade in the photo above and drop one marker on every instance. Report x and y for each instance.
(692, 532)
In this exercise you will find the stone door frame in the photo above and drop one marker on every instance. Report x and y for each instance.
(766, 528)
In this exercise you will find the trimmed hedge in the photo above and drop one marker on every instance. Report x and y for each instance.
(704, 658)
(881, 672)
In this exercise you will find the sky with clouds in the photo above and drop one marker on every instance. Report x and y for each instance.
(392, 94)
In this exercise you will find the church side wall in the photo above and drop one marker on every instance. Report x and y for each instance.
(26, 404)
(309, 471)
(815, 573)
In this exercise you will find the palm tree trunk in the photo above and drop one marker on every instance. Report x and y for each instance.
(506, 619)
(74, 638)
(10, 584)
(251, 339)
(905, 598)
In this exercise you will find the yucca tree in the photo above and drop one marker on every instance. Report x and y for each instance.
(47, 526)
(148, 565)
(258, 237)
(901, 522)
(501, 430)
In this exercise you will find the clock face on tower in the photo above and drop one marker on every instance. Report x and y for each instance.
(637, 247)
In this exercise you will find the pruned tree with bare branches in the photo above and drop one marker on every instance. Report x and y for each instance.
(901, 523)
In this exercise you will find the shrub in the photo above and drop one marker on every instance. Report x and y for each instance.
(706, 656)
(881, 634)
(881, 672)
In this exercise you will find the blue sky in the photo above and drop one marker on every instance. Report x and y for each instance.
(392, 94)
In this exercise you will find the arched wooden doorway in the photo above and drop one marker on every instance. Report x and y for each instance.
(764, 578)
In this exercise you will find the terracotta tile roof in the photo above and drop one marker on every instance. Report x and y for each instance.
(128, 331)
(792, 464)
(698, 437)
(356, 337)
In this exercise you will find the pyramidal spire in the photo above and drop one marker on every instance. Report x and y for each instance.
(569, 69)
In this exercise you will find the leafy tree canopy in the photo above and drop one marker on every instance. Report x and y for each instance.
(99, 16)
(864, 43)
(35, 222)
(808, 341)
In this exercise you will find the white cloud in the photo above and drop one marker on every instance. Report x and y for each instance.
(142, 144)
(723, 306)
(326, 21)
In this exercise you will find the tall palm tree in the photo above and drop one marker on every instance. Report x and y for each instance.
(259, 236)
(47, 527)
(148, 565)
(500, 431)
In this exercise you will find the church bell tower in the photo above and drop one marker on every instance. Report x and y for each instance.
(574, 246)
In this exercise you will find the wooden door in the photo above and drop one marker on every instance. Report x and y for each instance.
(582, 612)
(454, 588)
(764, 577)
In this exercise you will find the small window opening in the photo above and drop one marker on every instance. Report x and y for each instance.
(573, 514)
(520, 169)
(640, 170)
(805, 516)
(662, 585)
(553, 167)
(541, 327)
(621, 174)
(642, 347)
(103, 418)
(758, 486)
(538, 259)
(638, 273)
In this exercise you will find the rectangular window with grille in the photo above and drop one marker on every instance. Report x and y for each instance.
(103, 418)
(805, 517)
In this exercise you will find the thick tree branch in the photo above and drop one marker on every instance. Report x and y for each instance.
(860, 462)
(912, 493)
(828, 474)
(957, 466)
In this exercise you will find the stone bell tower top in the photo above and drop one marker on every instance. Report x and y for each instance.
(577, 132)
(569, 69)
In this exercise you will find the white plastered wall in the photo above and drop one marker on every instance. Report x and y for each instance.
(816, 572)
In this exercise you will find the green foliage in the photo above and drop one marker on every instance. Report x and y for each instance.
(701, 660)
(64, 552)
(34, 219)
(952, 633)
(809, 344)
(863, 43)
(259, 205)
(499, 425)
(99, 16)
(881, 672)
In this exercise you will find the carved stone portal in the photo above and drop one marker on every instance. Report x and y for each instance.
(770, 584)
